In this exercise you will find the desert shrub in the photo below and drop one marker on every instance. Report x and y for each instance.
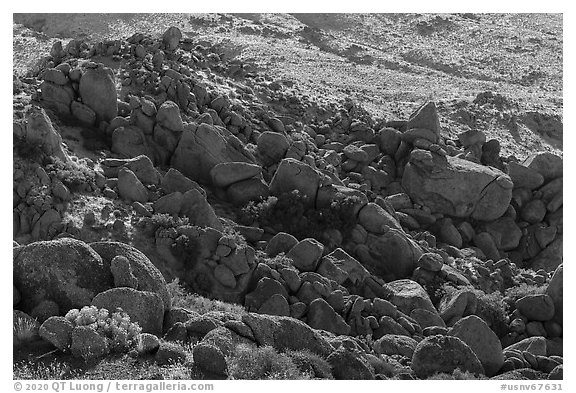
(457, 375)
(194, 302)
(262, 363)
(310, 364)
(436, 289)
(514, 293)
(120, 333)
(24, 329)
(291, 212)
(27, 150)
(493, 310)
(42, 371)
(161, 221)
(73, 174)
(276, 262)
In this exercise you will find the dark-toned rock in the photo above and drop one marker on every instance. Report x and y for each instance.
(130, 188)
(171, 38)
(88, 344)
(348, 365)
(425, 116)
(130, 142)
(284, 333)
(482, 340)
(39, 131)
(148, 343)
(375, 219)
(83, 113)
(272, 147)
(275, 305)
(456, 187)
(547, 164)
(322, 316)
(148, 276)
(168, 116)
(535, 345)
(227, 173)
(144, 169)
(145, 308)
(296, 175)
(199, 211)
(431, 262)
(394, 254)
(538, 307)
(66, 271)
(556, 290)
(210, 359)
(457, 304)
(239, 194)
(343, 268)
(524, 177)
(58, 332)
(200, 149)
(534, 211)
(174, 181)
(282, 242)
(388, 139)
(169, 354)
(306, 254)
(426, 318)
(551, 257)
(444, 354)
(391, 344)
(98, 91)
(505, 233)
(265, 289)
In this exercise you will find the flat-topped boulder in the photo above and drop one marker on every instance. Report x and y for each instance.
(457, 187)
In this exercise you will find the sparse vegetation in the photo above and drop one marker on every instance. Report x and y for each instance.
(290, 213)
(262, 363)
(194, 302)
(75, 175)
(310, 364)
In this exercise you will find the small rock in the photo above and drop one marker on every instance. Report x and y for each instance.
(88, 344)
(57, 331)
(211, 359)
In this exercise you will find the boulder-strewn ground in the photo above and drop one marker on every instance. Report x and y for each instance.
(274, 196)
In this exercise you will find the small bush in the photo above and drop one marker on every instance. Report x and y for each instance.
(194, 302)
(457, 375)
(310, 364)
(493, 310)
(41, 371)
(291, 212)
(28, 151)
(120, 333)
(25, 329)
(262, 363)
(515, 293)
(74, 175)
(277, 262)
(161, 221)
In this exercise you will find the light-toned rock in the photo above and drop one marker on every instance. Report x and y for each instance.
(457, 187)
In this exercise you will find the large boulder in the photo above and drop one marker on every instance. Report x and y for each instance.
(200, 149)
(296, 175)
(457, 187)
(322, 316)
(98, 91)
(444, 354)
(148, 276)
(394, 254)
(549, 165)
(482, 340)
(555, 290)
(409, 296)
(65, 271)
(37, 130)
(284, 333)
(272, 147)
(198, 210)
(145, 308)
(537, 307)
(227, 173)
